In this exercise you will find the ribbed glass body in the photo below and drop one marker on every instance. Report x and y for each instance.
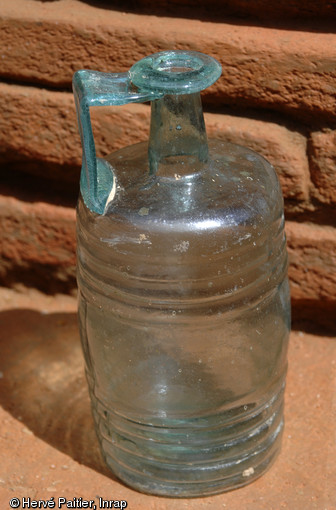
(184, 310)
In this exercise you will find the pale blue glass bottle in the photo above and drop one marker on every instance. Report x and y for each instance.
(183, 292)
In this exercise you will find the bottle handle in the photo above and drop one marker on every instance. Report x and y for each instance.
(93, 88)
(166, 72)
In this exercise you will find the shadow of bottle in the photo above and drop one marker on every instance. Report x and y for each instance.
(43, 382)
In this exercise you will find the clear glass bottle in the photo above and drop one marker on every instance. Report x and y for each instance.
(183, 292)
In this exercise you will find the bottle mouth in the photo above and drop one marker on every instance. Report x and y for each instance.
(176, 63)
(175, 72)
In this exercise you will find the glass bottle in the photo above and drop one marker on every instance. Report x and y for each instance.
(184, 304)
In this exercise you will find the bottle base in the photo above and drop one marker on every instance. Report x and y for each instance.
(196, 457)
(144, 483)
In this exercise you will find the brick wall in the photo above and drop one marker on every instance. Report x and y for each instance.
(277, 95)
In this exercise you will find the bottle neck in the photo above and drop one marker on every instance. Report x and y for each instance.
(178, 142)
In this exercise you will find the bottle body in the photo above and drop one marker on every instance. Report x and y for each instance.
(184, 320)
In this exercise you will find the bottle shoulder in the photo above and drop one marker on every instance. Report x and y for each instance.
(235, 187)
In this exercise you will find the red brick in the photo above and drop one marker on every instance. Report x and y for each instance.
(312, 256)
(286, 70)
(33, 123)
(37, 124)
(39, 239)
(322, 153)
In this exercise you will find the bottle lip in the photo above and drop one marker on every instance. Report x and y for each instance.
(175, 72)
